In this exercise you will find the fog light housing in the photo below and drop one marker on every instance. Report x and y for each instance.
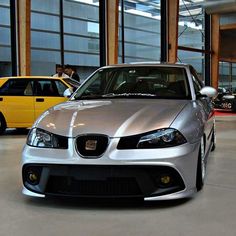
(165, 180)
(32, 175)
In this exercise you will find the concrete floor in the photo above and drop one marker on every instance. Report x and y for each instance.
(211, 212)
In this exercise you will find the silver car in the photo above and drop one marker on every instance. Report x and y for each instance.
(139, 130)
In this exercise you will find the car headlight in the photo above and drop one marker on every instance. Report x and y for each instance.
(161, 138)
(44, 139)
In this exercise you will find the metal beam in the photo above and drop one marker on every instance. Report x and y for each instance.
(173, 18)
(164, 24)
(61, 32)
(102, 32)
(207, 63)
(24, 40)
(215, 44)
(112, 31)
(13, 37)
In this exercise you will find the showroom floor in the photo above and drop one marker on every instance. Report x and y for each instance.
(211, 212)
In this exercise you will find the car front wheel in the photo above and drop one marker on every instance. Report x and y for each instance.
(201, 166)
(2, 124)
(213, 139)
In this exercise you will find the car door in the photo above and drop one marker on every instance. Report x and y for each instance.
(48, 93)
(17, 102)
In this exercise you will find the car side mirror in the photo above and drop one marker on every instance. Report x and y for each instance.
(68, 92)
(208, 91)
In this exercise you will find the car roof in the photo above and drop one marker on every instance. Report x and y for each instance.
(4, 79)
(31, 77)
(152, 63)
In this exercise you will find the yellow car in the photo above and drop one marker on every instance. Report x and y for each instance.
(24, 98)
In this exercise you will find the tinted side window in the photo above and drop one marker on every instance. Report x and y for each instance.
(46, 88)
(60, 87)
(17, 87)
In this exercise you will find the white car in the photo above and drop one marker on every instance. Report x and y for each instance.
(136, 130)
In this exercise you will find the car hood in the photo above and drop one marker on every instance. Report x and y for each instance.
(113, 117)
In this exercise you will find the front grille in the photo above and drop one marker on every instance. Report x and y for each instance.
(92, 145)
(108, 187)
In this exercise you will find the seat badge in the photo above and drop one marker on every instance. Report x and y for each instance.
(91, 145)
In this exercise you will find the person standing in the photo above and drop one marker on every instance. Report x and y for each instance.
(60, 72)
(71, 72)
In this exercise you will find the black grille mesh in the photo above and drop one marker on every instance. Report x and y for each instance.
(108, 187)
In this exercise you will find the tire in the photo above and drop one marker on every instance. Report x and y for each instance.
(2, 124)
(213, 138)
(201, 166)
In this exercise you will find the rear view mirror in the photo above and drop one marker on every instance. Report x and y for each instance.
(208, 91)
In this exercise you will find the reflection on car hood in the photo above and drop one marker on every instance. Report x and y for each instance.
(113, 117)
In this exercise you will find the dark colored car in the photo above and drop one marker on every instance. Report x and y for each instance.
(225, 100)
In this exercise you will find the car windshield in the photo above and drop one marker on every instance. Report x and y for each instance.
(136, 82)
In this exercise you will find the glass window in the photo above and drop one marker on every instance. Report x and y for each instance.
(229, 18)
(5, 15)
(5, 39)
(17, 87)
(81, 35)
(141, 31)
(45, 37)
(138, 82)
(46, 22)
(80, 44)
(227, 76)
(5, 2)
(49, 6)
(193, 58)
(47, 88)
(191, 33)
(47, 40)
(60, 87)
(83, 9)
(191, 24)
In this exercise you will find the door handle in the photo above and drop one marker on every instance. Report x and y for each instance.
(39, 99)
(1, 99)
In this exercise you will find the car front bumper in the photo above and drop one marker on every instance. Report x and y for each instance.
(151, 174)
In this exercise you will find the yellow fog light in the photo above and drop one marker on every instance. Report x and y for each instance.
(165, 179)
(33, 177)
